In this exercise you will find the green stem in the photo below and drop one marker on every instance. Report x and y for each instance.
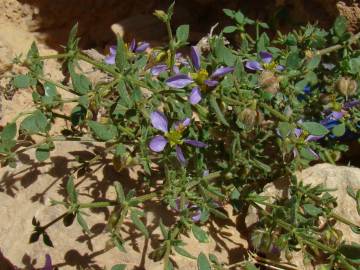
(274, 112)
(352, 40)
(55, 56)
(171, 44)
(66, 88)
(99, 65)
(97, 204)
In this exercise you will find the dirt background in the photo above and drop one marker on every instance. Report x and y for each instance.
(25, 191)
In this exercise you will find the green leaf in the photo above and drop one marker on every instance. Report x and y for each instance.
(118, 243)
(314, 62)
(163, 229)
(34, 123)
(70, 189)
(9, 132)
(307, 154)
(340, 26)
(354, 65)
(103, 132)
(199, 234)
(263, 42)
(72, 40)
(250, 266)
(239, 17)
(81, 84)
(229, 12)
(121, 53)
(119, 267)
(351, 252)
(119, 192)
(183, 252)
(78, 115)
(217, 110)
(224, 54)
(139, 224)
(293, 61)
(312, 210)
(203, 263)
(42, 153)
(339, 130)
(50, 90)
(22, 81)
(82, 222)
(284, 129)
(315, 128)
(182, 33)
(230, 29)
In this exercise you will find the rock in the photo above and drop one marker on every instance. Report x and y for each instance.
(351, 13)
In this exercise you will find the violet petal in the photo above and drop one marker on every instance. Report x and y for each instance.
(112, 50)
(179, 81)
(196, 216)
(195, 96)
(266, 57)
(280, 68)
(195, 57)
(158, 143)
(110, 59)
(195, 143)
(297, 132)
(313, 138)
(176, 69)
(180, 155)
(132, 45)
(142, 47)
(316, 156)
(159, 121)
(156, 70)
(219, 72)
(211, 83)
(48, 263)
(253, 65)
(183, 123)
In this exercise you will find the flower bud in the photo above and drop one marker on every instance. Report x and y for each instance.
(160, 14)
(347, 86)
(269, 82)
(250, 117)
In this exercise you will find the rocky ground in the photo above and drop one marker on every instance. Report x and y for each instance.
(26, 190)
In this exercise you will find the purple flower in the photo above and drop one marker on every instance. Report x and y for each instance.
(332, 119)
(267, 63)
(172, 136)
(195, 210)
(110, 59)
(48, 263)
(350, 104)
(201, 77)
(133, 48)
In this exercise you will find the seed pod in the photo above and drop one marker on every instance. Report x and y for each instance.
(269, 82)
(248, 117)
(325, 99)
(347, 86)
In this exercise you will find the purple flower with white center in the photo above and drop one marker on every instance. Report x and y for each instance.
(200, 78)
(267, 63)
(173, 136)
(133, 48)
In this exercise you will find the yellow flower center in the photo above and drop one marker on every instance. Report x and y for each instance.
(174, 137)
(270, 66)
